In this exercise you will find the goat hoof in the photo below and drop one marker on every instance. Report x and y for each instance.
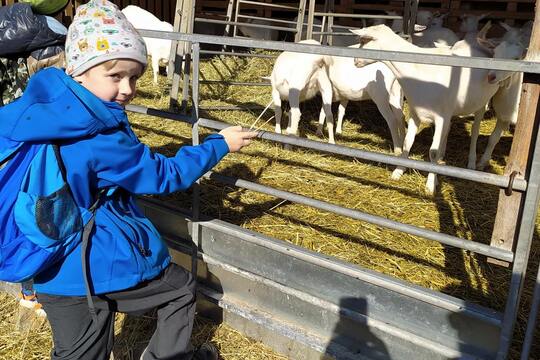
(320, 133)
(396, 174)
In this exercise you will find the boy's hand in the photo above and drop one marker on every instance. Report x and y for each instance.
(236, 138)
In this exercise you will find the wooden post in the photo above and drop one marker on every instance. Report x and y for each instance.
(309, 32)
(230, 8)
(510, 206)
(183, 22)
(175, 63)
(300, 21)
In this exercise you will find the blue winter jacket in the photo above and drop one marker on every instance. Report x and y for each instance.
(125, 248)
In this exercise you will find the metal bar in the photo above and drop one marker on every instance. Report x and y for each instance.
(160, 113)
(343, 27)
(519, 184)
(290, 22)
(195, 226)
(333, 33)
(267, 5)
(268, 56)
(431, 59)
(431, 315)
(372, 219)
(232, 107)
(176, 58)
(358, 16)
(473, 175)
(236, 12)
(531, 321)
(523, 247)
(339, 312)
(412, 17)
(529, 209)
(246, 24)
(209, 82)
(322, 261)
(406, 16)
(230, 7)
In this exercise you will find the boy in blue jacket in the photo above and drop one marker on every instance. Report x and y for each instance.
(129, 268)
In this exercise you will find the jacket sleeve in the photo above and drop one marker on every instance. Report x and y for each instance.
(120, 159)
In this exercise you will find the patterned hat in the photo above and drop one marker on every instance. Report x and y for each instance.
(100, 32)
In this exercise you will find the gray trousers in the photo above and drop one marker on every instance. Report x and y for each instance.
(76, 337)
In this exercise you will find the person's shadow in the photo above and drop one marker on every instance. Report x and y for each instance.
(353, 337)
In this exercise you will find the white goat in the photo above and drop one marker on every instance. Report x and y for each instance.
(435, 93)
(440, 35)
(425, 18)
(517, 35)
(373, 82)
(298, 77)
(468, 29)
(158, 49)
(506, 99)
(505, 102)
(432, 32)
(437, 21)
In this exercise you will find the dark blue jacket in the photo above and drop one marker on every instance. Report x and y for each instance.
(125, 248)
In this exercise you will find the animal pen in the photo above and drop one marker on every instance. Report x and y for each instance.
(307, 305)
(310, 305)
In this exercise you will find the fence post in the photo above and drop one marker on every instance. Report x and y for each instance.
(510, 206)
(518, 206)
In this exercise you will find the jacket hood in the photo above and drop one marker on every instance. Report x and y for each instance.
(56, 107)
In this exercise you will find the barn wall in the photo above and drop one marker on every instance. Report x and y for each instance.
(512, 11)
(163, 9)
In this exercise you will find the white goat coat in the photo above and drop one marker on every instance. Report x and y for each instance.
(373, 82)
(297, 77)
(434, 93)
(158, 49)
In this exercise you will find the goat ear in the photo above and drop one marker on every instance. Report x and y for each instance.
(506, 26)
(364, 39)
(486, 44)
(483, 16)
(483, 32)
(418, 28)
(441, 45)
(359, 32)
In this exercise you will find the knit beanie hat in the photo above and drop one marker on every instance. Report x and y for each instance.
(100, 32)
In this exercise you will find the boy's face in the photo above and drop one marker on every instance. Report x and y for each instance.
(116, 83)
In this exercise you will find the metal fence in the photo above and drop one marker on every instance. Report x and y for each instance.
(529, 185)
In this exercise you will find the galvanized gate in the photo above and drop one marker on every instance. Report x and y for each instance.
(307, 305)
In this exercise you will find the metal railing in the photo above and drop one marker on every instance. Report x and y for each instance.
(530, 186)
